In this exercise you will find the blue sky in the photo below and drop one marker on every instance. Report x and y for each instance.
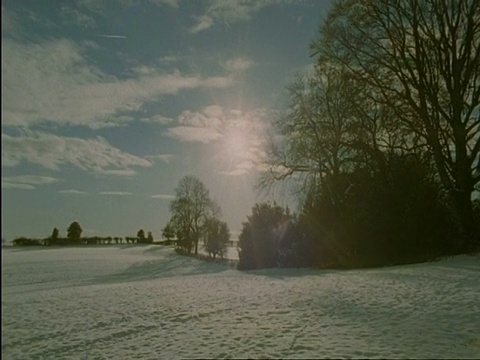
(106, 105)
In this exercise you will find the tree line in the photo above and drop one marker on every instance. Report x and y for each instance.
(74, 232)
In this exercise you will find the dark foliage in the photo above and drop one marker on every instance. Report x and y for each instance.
(149, 238)
(22, 241)
(391, 217)
(216, 237)
(74, 231)
(55, 233)
(168, 232)
(262, 234)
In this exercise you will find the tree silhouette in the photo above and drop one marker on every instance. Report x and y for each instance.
(168, 232)
(190, 209)
(216, 237)
(74, 231)
(55, 233)
(149, 237)
(261, 236)
(141, 236)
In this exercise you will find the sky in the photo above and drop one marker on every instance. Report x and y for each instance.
(106, 105)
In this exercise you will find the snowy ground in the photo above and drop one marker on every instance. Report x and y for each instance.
(146, 302)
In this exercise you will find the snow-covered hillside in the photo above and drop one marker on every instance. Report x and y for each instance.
(146, 302)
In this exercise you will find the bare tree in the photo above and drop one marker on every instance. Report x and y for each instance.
(332, 125)
(424, 58)
(190, 210)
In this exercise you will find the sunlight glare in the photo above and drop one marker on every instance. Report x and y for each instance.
(237, 145)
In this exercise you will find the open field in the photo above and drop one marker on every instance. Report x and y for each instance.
(127, 302)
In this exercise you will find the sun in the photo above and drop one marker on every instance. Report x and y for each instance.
(239, 149)
(235, 153)
(237, 144)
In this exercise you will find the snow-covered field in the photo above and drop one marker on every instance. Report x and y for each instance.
(146, 302)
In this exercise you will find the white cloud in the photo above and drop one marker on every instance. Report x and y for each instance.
(50, 151)
(237, 65)
(53, 81)
(226, 11)
(26, 182)
(31, 179)
(203, 22)
(7, 185)
(163, 197)
(115, 193)
(72, 192)
(71, 16)
(112, 36)
(157, 119)
(233, 11)
(193, 134)
(234, 172)
(229, 11)
(203, 126)
(164, 157)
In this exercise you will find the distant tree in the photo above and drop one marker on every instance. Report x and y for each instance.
(190, 209)
(141, 236)
(54, 233)
(168, 232)
(74, 231)
(261, 236)
(216, 237)
(149, 237)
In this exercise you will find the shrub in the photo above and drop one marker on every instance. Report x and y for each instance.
(261, 236)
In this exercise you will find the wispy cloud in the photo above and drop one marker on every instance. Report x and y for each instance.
(157, 119)
(7, 185)
(72, 192)
(193, 134)
(233, 11)
(203, 22)
(115, 193)
(229, 11)
(112, 36)
(54, 82)
(237, 65)
(163, 197)
(72, 16)
(50, 151)
(31, 179)
(26, 181)
(203, 126)
(164, 157)
(225, 12)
